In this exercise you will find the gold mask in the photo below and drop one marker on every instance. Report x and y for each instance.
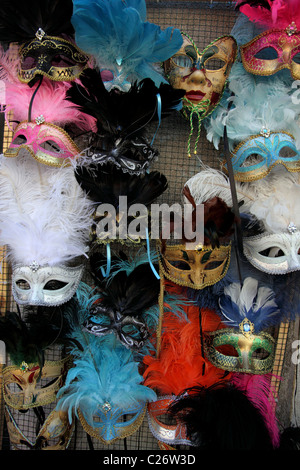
(197, 268)
(27, 377)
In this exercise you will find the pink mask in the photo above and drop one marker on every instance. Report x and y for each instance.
(285, 45)
(46, 142)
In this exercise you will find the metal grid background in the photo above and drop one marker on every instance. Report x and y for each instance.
(204, 22)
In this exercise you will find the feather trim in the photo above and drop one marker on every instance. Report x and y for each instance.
(181, 363)
(117, 34)
(258, 389)
(44, 214)
(256, 303)
(272, 13)
(104, 372)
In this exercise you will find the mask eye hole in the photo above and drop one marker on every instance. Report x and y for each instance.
(182, 61)
(227, 350)
(22, 284)
(107, 75)
(19, 140)
(54, 285)
(126, 417)
(272, 252)
(167, 419)
(50, 145)
(213, 265)
(180, 265)
(268, 53)
(214, 64)
(252, 159)
(287, 152)
(260, 353)
(29, 62)
(296, 58)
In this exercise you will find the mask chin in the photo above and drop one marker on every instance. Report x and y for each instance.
(45, 285)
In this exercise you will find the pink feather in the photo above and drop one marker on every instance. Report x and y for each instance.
(49, 101)
(259, 391)
(280, 15)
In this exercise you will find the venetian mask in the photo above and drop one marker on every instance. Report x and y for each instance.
(241, 350)
(45, 285)
(202, 74)
(255, 157)
(272, 51)
(197, 268)
(172, 434)
(47, 143)
(53, 57)
(276, 253)
(29, 386)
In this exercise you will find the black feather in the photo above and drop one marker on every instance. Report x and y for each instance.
(122, 114)
(20, 19)
(27, 338)
(106, 184)
(221, 417)
(131, 294)
(254, 3)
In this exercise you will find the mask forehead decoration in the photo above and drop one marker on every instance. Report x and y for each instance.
(203, 75)
(45, 229)
(45, 37)
(248, 309)
(280, 43)
(125, 45)
(258, 138)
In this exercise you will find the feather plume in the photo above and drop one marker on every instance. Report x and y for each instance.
(44, 214)
(107, 184)
(259, 391)
(27, 339)
(256, 303)
(181, 363)
(104, 371)
(122, 115)
(254, 105)
(8, 67)
(19, 21)
(117, 34)
(221, 417)
(50, 102)
(271, 13)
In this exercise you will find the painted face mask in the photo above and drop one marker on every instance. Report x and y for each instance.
(172, 434)
(28, 386)
(255, 157)
(277, 253)
(53, 57)
(47, 143)
(55, 434)
(45, 285)
(194, 268)
(241, 351)
(273, 51)
(202, 75)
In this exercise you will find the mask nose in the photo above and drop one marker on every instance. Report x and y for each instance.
(197, 77)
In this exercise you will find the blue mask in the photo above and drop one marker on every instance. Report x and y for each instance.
(255, 157)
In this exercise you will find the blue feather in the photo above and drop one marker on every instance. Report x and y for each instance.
(104, 372)
(120, 39)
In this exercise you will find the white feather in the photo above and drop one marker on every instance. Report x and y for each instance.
(44, 214)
